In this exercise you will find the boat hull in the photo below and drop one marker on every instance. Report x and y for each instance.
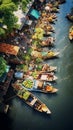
(30, 99)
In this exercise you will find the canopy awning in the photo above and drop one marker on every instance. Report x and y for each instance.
(19, 75)
(9, 49)
(35, 13)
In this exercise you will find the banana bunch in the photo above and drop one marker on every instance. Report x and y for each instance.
(28, 83)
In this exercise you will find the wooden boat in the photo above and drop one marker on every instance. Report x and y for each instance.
(39, 86)
(5, 85)
(47, 27)
(54, 10)
(47, 33)
(69, 17)
(42, 68)
(30, 99)
(47, 77)
(44, 54)
(71, 33)
(50, 77)
(48, 42)
(61, 1)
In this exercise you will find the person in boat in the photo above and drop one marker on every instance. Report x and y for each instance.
(50, 76)
(40, 84)
(45, 67)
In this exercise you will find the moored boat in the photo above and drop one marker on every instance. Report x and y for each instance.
(47, 77)
(42, 67)
(39, 86)
(45, 54)
(71, 33)
(61, 1)
(48, 42)
(69, 17)
(50, 77)
(30, 99)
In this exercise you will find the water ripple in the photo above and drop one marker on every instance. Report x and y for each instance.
(64, 48)
(66, 78)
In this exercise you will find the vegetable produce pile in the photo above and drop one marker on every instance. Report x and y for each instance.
(28, 83)
(39, 67)
(51, 53)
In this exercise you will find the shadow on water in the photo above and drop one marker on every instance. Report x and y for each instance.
(5, 121)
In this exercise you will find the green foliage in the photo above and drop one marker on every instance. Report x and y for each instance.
(26, 58)
(6, 1)
(3, 65)
(39, 67)
(38, 60)
(34, 74)
(36, 43)
(23, 67)
(7, 18)
(0, 2)
(7, 7)
(26, 95)
(24, 5)
(28, 83)
(2, 32)
(10, 20)
(29, 51)
(38, 35)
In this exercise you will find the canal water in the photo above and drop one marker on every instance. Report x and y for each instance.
(21, 116)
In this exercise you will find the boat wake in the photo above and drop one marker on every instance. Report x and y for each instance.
(64, 48)
(65, 78)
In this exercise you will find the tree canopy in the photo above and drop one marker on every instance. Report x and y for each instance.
(7, 18)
